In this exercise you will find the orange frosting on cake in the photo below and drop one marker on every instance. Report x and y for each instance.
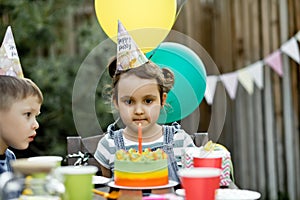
(150, 168)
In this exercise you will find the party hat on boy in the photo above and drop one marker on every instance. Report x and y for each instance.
(9, 59)
(128, 54)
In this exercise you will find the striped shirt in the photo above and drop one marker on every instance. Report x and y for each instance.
(106, 149)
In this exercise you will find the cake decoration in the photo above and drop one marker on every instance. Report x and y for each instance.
(146, 155)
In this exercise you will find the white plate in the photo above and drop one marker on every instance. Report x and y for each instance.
(100, 180)
(236, 194)
(180, 192)
(229, 194)
(170, 184)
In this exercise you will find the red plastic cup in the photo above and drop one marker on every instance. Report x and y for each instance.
(208, 162)
(200, 183)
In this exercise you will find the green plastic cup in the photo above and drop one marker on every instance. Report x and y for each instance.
(77, 181)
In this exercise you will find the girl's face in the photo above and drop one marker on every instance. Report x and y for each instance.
(18, 124)
(138, 101)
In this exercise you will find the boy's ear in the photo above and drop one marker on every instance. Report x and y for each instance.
(115, 103)
(164, 99)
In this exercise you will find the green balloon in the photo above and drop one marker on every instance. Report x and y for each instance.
(190, 79)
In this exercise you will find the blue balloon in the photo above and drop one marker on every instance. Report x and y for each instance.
(190, 79)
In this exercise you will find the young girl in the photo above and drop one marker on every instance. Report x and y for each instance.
(139, 94)
(20, 103)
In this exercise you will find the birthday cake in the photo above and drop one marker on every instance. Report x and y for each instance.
(146, 169)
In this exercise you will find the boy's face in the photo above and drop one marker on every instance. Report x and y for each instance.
(18, 124)
(138, 101)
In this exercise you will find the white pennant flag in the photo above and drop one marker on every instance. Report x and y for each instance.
(274, 60)
(230, 82)
(256, 71)
(246, 80)
(291, 49)
(211, 83)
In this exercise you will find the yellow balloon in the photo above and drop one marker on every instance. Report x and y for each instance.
(147, 21)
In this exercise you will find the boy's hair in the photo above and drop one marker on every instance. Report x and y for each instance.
(149, 70)
(13, 89)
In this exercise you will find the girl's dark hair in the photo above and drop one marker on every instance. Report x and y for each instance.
(149, 70)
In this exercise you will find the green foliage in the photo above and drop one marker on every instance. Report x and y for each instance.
(43, 34)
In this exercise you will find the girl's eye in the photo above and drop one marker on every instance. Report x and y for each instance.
(148, 101)
(128, 102)
(28, 114)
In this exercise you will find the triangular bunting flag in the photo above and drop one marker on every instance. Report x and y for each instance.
(246, 80)
(230, 83)
(9, 59)
(256, 71)
(297, 36)
(291, 49)
(211, 83)
(274, 60)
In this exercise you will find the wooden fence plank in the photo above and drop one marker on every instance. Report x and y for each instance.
(288, 128)
(246, 32)
(255, 54)
(243, 171)
(287, 105)
(255, 31)
(295, 77)
(237, 40)
(259, 144)
(270, 143)
(251, 140)
(249, 99)
(277, 91)
(218, 111)
(268, 109)
(225, 35)
(294, 19)
(238, 50)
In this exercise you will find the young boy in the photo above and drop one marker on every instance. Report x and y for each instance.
(20, 103)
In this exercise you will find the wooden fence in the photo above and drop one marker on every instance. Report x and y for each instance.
(262, 129)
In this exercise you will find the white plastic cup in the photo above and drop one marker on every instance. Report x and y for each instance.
(56, 159)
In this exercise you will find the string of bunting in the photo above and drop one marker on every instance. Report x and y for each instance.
(253, 73)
